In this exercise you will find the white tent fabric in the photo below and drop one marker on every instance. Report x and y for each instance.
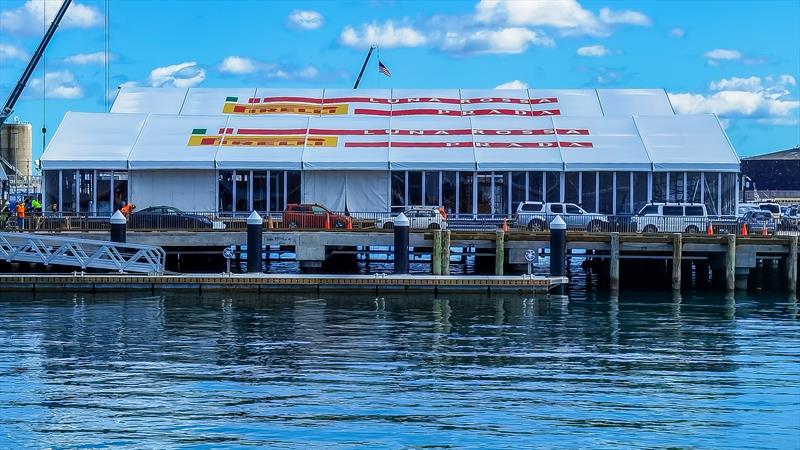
(189, 190)
(361, 102)
(419, 102)
(263, 143)
(513, 143)
(135, 99)
(495, 102)
(351, 190)
(687, 143)
(420, 143)
(341, 143)
(600, 143)
(178, 142)
(326, 188)
(628, 102)
(214, 101)
(93, 141)
(565, 102)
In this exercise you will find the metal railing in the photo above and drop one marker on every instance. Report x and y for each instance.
(377, 221)
(82, 253)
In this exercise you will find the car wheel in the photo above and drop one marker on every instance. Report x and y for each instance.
(594, 226)
(388, 226)
(692, 229)
(536, 225)
(293, 225)
(433, 226)
(650, 229)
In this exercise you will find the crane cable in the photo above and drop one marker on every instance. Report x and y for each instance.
(106, 79)
(44, 79)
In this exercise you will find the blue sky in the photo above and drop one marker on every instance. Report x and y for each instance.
(740, 59)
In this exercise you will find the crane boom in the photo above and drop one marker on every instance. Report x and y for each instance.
(8, 108)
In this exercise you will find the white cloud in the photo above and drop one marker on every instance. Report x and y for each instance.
(237, 65)
(308, 73)
(721, 54)
(626, 17)
(504, 40)
(385, 35)
(61, 84)
(566, 15)
(187, 74)
(27, 18)
(88, 58)
(8, 51)
(279, 73)
(513, 84)
(593, 51)
(305, 20)
(766, 99)
(677, 32)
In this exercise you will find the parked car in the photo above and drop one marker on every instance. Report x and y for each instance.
(161, 217)
(743, 209)
(312, 215)
(671, 218)
(538, 215)
(421, 217)
(773, 208)
(757, 221)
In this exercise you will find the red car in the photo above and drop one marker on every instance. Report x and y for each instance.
(305, 215)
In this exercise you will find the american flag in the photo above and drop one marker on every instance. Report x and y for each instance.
(382, 69)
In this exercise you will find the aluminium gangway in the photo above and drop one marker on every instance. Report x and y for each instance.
(82, 253)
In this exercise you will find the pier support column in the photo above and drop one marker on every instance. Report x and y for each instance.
(791, 265)
(730, 262)
(558, 251)
(255, 225)
(677, 256)
(401, 228)
(613, 269)
(499, 252)
(436, 255)
(119, 224)
(446, 252)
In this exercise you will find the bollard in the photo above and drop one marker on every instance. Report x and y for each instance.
(118, 227)
(558, 251)
(401, 228)
(436, 254)
(254, 239)
(446, 252)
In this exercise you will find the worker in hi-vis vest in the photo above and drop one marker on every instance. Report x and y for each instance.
(21, 215)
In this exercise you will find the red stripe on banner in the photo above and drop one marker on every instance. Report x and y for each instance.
(320, 131)
(372, 112)
(516, 144)
(431, 144)
(539, 132)
(264, 131)
(544, 100)
(519, 101)
(366, 144)
(498, 112)
(425, 111)
(407, 100)
(381, 101)
(291, 99)
(547, 112)
(463, 144)
(568, 131)
(575, 144)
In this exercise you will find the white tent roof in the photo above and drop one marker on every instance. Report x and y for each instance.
(515, 143)
(93, 141)
(253, 142)
(600, 143)
(628, 102)
(418, 143)
(687, 143)
(213, 101)
(177, 142)
(135, 99)
(341, 143)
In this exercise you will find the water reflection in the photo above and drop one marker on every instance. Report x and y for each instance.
(397, 370)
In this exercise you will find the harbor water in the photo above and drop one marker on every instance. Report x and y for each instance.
(284, 370)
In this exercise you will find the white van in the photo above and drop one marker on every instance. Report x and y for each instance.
(671, 218)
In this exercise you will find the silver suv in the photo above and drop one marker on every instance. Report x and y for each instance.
(538, 215)
(671, 218)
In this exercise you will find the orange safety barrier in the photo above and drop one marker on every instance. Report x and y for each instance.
(743, 230)
(710, 229)
(327, 222)
(504, 227)
(763, 230)
(348, 224)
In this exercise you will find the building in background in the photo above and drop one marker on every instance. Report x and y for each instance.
(473, 152)
(774, 176)
(16, 159)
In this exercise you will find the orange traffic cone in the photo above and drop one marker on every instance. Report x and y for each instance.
(327, 222)
(710, 229)
(504, 227)
(348, 224)
(763, 230)
(743, 230)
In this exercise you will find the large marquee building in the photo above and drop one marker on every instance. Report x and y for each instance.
(471, 151)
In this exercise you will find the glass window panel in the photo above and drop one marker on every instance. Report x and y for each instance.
(673, 210)
(500, 193)
(86, 191)
(517, 188)
(728, 193)
(120, 189)
(553, 186)
(639, 190)
(676, 187)
(659, 187)
(571, 188)
(535, 186)
(465, 192)
(693, 187)
(432, 188)
(711, 194)
(293, 186)
(68, 191)
(398, 189)
(624, 193)
(243, 190)
(51, 190)
(606, 192)
(103, 192)
(589, 191)
(415, 188)
(484, 193)
(225, 188)
(260, 200)
(449, 192)
(276, 194)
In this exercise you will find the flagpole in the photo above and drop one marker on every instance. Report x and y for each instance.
(366, 60)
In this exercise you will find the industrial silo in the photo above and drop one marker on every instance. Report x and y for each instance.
(16, 142)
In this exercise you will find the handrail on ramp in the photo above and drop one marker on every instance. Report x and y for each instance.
(83, 253)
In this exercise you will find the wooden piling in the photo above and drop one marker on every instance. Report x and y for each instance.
(677, 256)
(730, 262)
(499, 252)
(436, 256)
(791, 265)
(446, 252)
(614, 263)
